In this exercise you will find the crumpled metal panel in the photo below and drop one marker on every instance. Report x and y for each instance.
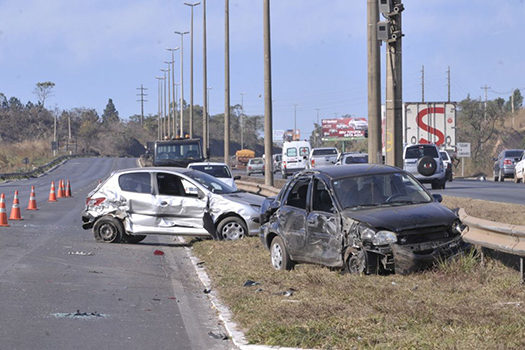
(113, 204)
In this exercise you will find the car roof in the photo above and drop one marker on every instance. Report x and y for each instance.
(153, 169)
(207, 163)
(339, 171)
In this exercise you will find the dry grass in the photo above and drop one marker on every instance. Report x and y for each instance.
(458, 304)
(495, 211)
(12, 154)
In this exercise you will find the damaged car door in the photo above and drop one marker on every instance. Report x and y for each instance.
(324, 237)
(138, 195)
(180, 206)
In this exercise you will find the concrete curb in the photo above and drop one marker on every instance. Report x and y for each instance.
(225, 315)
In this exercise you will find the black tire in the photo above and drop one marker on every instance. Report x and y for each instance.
(108, 229)
(495, 177)
(133, 239)
(279, 255)
(356, 263)
(426, 166)
(501, 177)
(231, 228)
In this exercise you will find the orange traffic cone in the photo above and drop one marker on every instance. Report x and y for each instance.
(3, 213)
(32, 200)
(52, 194)
(68, 189)
(15, 209)
(60, 192)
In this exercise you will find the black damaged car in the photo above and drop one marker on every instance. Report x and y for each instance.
(364, 218)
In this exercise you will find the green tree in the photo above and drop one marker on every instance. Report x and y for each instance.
(43, 91)
(110, 114)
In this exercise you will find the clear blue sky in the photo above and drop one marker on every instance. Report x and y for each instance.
(95, 50)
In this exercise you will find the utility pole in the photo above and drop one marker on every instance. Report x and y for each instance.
(175, 109)
(174, 99)
(448, 83)
(374, 85)
(159, 105)
(485, 104)
(191, 66)
(142, 100)
(168, 128)
(208, 134)
(394, 84)
(164, 104)
(226, 82)
(181, 83)
(242, 119)
(317, 143)
(423, 83)
(268, 135)
(205, 126)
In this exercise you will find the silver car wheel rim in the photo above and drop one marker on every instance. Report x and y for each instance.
(107, 232)
(232, 230)
(277, 256)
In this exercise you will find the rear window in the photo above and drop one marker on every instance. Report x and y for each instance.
(213, 170)
(291, 152)
(513, 154)
(256, 161)
(444, 155)
(304, 151)
(324, 152)
(356, 159)
(416, 152)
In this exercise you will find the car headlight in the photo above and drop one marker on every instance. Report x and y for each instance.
(458, 227)
(376, 237)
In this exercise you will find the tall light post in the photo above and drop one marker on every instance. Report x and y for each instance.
(174, 109)
(227, 82)
(205, 126)
(208, 119)
(268, 135)
(181, 82)
(168, 117)
(164, 103)
(159, 103)
(242, 120)
(192, 5)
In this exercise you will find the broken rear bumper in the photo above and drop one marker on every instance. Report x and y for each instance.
(88, 221)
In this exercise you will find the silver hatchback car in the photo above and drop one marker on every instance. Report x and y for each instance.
(133, 203)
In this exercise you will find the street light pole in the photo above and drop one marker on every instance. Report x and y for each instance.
(191, 66)
(205, 126)
(159, 105)
(168, 117)
(164, 103)
(181, 83)
(268, 135)
(227, 82)
(174, 108)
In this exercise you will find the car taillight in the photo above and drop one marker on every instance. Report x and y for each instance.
(284, 164)
(507, 162)
(313, 161)
(249, 167)
(93, 202)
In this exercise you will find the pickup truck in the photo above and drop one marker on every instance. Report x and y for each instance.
(324, 156)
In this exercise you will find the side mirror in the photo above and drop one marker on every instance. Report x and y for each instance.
(237, 177)
(437, 197)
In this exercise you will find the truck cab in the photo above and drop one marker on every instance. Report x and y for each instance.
(177, 152)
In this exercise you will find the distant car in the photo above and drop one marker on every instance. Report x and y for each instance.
(255, 165)
(352, 158)
(277, 162)
(366, 218)
(424, 162)
(447, 162)
(519, 170)
(133, 203)
(505, 162)
(219, 170)
(323, 156)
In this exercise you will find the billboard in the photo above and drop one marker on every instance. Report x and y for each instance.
(344, 129)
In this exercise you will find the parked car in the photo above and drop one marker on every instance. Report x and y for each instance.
(323, 156)
(133, 203)
(277, 161)
(519, 170)
(219, 170)
(505, 162)
(447, 163)
(295, 157)
(352, 158)
(255, 165)
(425, 164)
(367, 218)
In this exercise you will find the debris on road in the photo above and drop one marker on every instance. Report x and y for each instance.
(81, 253)
(79, 315)
(219, 336)
(250, 283)
(158, 252)
(207, 291)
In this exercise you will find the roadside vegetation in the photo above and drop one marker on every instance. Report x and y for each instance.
(460, 303)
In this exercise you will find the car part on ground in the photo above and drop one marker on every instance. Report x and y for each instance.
(424, 162)
(133, 203)
(364, 218)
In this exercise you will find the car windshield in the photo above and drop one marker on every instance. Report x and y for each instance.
(416, 152)
(365, 191)
(513, 154)
(179, 151)
(324, 152)
(356, 159)
(213, 170)
(210, 183)
(256, 161)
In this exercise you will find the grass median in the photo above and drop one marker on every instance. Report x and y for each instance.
(458, 304)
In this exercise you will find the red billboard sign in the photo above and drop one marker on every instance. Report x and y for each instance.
(341, 129)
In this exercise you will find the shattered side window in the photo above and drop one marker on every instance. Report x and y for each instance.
(321, 199)
(135, 182)
(297, 195)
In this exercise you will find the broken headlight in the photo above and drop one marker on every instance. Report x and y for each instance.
(376, 237)
(458, 227)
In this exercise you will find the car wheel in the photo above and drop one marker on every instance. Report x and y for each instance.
(133, 239)
(108, 230)
(356, 262)
(231, 228)
(501, 177)
(279, 255)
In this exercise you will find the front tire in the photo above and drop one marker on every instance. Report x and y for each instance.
(231, 228)
(133, 239)
(279, 255)
(108, 229)
(501, 177)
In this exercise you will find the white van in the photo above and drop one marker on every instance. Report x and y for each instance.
(295, 157)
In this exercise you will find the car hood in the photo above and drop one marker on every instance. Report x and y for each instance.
(403, 217)
(244, 198)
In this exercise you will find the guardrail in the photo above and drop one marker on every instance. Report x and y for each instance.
(40, 169)
(498, 236)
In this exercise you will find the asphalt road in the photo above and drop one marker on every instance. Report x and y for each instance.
(127, 297)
